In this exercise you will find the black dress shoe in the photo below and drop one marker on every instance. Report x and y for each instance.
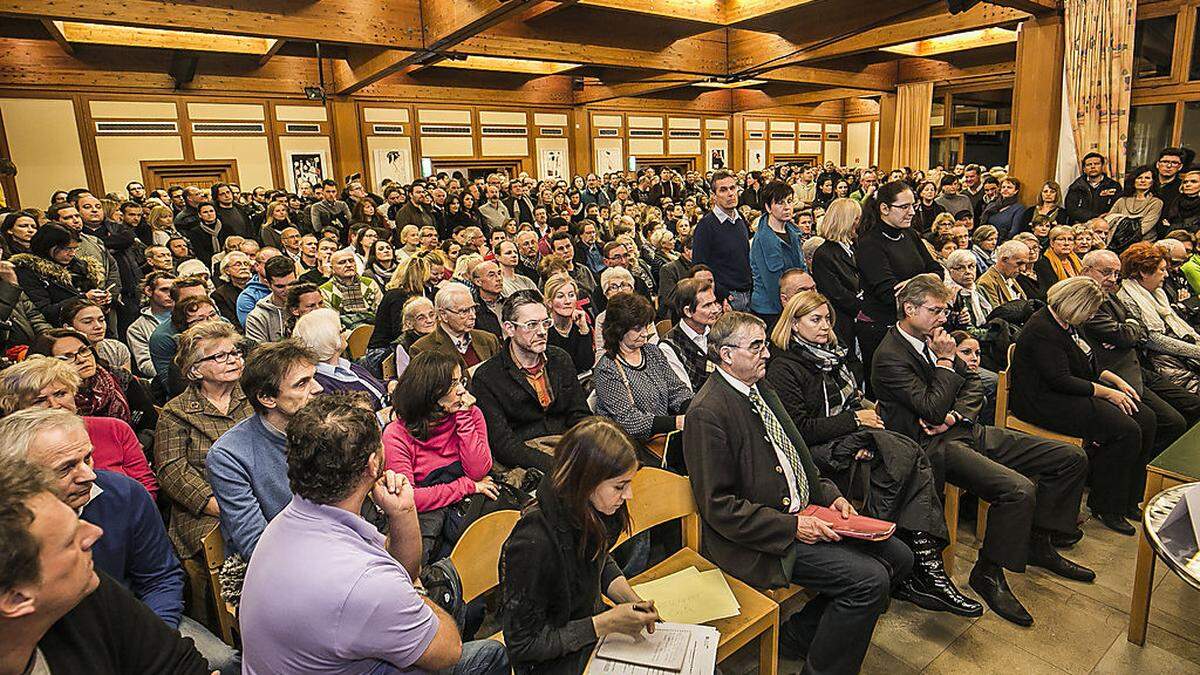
(936, 596)
(1117, 523)
(1051, 561)
(988, 581)
(1060, 540)
(1135, 514)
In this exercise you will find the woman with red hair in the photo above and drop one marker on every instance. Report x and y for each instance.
(1172, 344)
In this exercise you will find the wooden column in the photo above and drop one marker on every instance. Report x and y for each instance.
(887, 131)
(1037, 104)
(347, 138)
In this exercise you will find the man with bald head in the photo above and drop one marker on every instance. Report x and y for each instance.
(355, 297)
(795, 281)
(188, 217)
(489, 288)
(1115, 335)
(999, 283)
(456, 332)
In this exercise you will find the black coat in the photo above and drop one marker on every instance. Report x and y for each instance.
(1085, 202)
(550, 592)
(389, 318)
(886, 256)
(512, 410)
(740, 488)
(836, 275)
(910, 388)
(803, 390)
(1115, 340)
(1049, 371)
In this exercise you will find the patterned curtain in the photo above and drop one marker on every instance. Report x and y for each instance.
(1098, 70)
(910, 145)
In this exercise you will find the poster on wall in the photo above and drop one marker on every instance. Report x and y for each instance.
(716, 159)
(607, 161)
(553, 165)
(307, 167)
(393, 163)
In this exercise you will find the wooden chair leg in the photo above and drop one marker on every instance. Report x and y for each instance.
(981, 521)
(768, 648)
(950, 504)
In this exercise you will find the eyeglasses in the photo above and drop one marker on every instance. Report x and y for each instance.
(937, 311)
(82, 355)
(757, 347)
(460, 312)
(904, 207)
(620, 286)
(962, 268)
(223, 357)
(544, 324)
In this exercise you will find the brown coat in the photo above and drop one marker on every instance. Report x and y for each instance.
(486, 345)
(187, 428)
(996, 290)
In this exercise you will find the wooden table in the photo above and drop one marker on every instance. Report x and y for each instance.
(759, 616)
(1177, 465)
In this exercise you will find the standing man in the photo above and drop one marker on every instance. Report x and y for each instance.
(494, 212)
(330, 211)
(752, 475)
(1166, 176)
(1092, 194)
(972, 185)
(1033, 484)
(520, 205)
(234, 221)
(722, 242)
(416, 212)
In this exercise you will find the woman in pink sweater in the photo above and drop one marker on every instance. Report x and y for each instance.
(439, 442)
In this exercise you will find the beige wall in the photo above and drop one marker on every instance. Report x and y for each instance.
(252, 153)
(43, 140)
(121, 156)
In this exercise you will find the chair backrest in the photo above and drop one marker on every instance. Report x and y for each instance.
(663, 327)
(660, 496)
(389, 368)
(214, 559)
(358, 340)
(1002, 391)
(476, 556)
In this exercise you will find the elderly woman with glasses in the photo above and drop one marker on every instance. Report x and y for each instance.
(320, 330)
(103, 391)
(210, 359)
(635, 384)
(39, 382)
(613, 280)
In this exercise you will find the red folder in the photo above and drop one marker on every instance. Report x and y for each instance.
(856, 527)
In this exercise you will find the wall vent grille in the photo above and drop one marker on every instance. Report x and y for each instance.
(551, 131)
(608, 133)
(493, 130)
(387, 129)
(228, 128)
(302, 128)
(645, 133)
(137, 128)
(445, 130)
(782, 135)
(684, 133)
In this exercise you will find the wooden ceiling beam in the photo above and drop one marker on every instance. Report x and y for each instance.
(934, 70)
(365, 66)
(381, 23)
(1035, 7)
(737, 11)
(877, 77)
(596, 93)
(702, 11)
(56, 33)
(753, 99)
(275, 47)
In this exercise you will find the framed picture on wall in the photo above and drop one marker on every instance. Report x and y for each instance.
(394, 163)
(716, 159)
(553, 164)
(307, 167)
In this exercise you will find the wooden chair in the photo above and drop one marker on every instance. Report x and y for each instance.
(214, 558)
(389, 368)
(663, 327)
(357, 342)
(1007, 420)
(476, 556)
(661, 496)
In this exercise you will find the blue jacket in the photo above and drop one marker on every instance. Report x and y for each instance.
(134, 549)
(253, 292)
(1007, 221)
(769, 259)
(247, 469)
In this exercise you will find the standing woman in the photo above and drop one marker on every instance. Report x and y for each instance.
(1138, 201)
(1056, 385)
(1059, 261)
(162, 224)
(835, 272)
(984, 241)
(825, 194)
(889, 252)
(927, 207)
(555, 566)
(774, 249)
(570, 331)
(471, 217)
(1048, 209)
(1006, 212)
(204, 237)
(276, 219)
(210, 359)
(17, 231)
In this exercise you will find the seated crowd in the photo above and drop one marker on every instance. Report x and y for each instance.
(331, 385)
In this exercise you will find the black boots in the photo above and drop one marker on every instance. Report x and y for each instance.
(1042, 554)
(928, 586)
(1116, 522)
(987, 578)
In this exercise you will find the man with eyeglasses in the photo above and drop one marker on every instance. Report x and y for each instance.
(999, 283)
(1033, 484)
(1166, 176)
(1115, 338)
(753, 477)
(530, 390)
(456, 332)
(617, 254)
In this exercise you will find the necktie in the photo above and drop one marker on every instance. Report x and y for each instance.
(781, 441)
(929, 356)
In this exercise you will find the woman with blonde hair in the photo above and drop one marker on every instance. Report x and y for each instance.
(570, 331)
(407, 243)
(1059, 261)
(162, 224)
(811, 374)
(1056, 385)
(833, 266)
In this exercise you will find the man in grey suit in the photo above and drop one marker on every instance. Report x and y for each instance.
(752, 475)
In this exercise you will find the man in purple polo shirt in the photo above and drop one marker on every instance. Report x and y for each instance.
(325, 592)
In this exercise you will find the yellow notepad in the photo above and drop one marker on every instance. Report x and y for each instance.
(691, 596)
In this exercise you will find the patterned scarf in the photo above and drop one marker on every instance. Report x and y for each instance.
(352, 297)
(102, 397)
(1064, 267)
(840, 389)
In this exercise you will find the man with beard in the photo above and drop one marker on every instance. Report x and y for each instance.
(234, 220)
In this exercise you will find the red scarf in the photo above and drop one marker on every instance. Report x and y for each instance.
(102, 397)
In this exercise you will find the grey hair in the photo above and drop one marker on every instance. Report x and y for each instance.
(446, 294)
(917, 289)
(612, 274)
(1093, 258)
(1075, 300)
(321, 331)
(1171, 246)
(1012, 248)
(730, 324)
(960, 257)
(20, 428)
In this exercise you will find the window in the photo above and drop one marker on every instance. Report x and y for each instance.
(1149, 131)
(1190, 136)
(1194, 68)
(980, 108)
(944, 151)
(1153, 45)
(987, 148)
(937, 114)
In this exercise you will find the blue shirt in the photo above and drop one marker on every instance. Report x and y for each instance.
(163, 343)
(323, 595)
(253, 292)
(135, 549)
(247, 469)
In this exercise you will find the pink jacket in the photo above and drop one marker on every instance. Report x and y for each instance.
(461, 437)
(116, 448)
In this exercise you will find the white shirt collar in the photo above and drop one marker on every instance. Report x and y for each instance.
(95, 492)
(725, 216)
(917, 344)
(699, 338)
(737, 384)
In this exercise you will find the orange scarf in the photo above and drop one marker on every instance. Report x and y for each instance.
(1064, 268)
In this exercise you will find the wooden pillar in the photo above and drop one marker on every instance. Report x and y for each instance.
(887, 131)
(347, 140)
(580, 132)
(1037, 104)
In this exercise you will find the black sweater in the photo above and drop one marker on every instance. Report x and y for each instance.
(110, 631)
(886, 256)
(803, 390)
(1047, 366)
